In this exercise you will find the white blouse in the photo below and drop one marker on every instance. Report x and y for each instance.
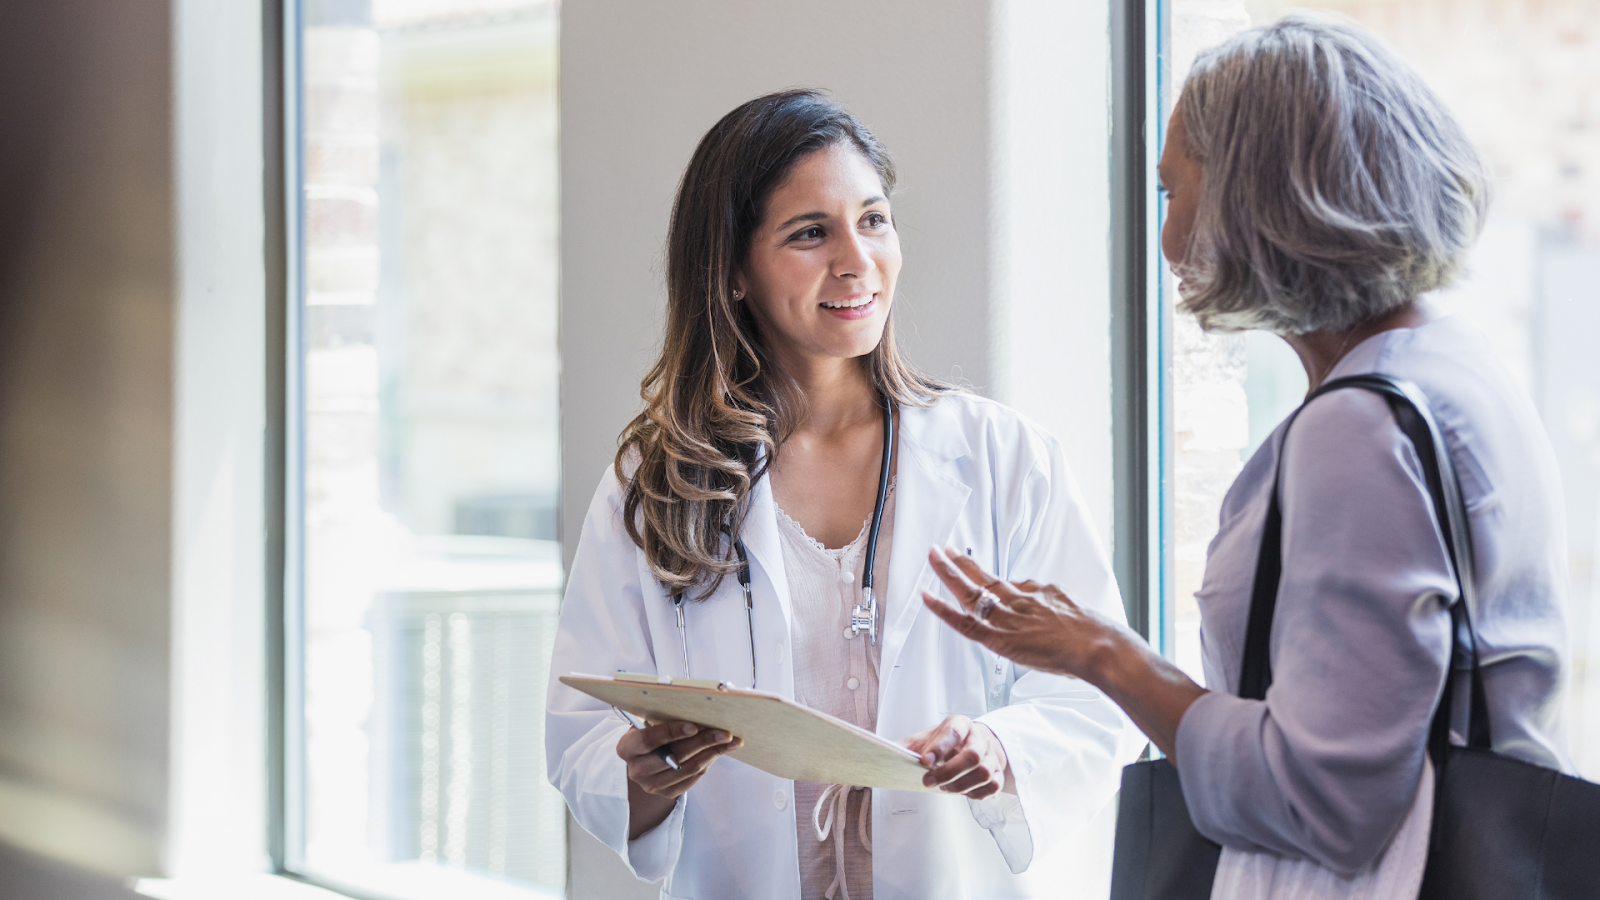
(836, 674)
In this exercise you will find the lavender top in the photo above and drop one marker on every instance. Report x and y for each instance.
(1326, 766)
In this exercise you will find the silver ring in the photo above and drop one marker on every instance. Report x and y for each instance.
(986, 602)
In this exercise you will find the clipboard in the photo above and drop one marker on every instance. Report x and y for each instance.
(781, 737)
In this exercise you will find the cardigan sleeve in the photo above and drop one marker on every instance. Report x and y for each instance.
(1327, 765)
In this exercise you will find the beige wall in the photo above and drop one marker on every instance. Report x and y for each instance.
(86, 316)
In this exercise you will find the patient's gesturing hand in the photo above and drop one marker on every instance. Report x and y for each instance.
(965, 758)
(1032, 624)
(1041, 628)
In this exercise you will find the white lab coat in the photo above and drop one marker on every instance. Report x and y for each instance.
(971, 473)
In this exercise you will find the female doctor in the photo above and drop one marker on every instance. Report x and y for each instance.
(767, 521)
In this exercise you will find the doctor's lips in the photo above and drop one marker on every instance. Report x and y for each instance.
(852, 306)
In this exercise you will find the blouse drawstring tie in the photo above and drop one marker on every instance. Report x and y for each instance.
(836, 797)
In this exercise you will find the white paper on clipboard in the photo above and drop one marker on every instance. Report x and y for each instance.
(781, 737)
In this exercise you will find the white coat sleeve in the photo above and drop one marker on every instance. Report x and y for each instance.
(603, 628)
(1065, 740)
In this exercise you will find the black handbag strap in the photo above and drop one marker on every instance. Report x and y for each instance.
(1416, 420)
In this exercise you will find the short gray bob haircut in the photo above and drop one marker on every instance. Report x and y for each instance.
(1336, 187)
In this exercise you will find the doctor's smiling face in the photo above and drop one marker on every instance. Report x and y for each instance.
(821, 270)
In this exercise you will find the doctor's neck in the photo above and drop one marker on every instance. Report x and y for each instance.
(838, 393)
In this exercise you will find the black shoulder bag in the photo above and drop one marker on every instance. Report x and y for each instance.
(1503, 829)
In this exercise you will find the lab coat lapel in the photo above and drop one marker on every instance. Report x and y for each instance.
(928, 500)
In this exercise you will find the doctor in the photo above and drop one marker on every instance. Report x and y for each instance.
(767, 520)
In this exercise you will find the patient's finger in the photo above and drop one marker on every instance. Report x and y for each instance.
(965, 623)
(960, 586)
(975, 574)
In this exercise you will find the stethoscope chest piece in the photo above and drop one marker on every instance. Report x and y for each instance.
(864, 616)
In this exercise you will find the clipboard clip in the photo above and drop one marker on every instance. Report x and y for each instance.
(668, 680)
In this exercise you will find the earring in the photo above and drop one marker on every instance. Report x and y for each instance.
(737, 295)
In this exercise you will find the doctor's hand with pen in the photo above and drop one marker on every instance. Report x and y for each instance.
(654, 783)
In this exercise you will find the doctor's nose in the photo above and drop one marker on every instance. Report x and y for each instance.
(853, 260)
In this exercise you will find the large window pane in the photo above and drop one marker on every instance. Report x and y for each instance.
(1523, 78)
(1212, 418)
(428, 347)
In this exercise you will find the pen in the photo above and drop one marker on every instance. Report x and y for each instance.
(663, 752)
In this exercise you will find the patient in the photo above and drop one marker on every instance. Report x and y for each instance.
(1318, 190)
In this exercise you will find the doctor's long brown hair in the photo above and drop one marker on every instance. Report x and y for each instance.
(717, 407)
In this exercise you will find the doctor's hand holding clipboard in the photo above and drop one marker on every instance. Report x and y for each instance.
(764, 525)
(655, 779)
(964, 758)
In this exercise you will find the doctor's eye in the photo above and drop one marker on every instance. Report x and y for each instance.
(810, 233)
(875, 220)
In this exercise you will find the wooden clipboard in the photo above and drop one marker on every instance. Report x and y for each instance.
(781, 737)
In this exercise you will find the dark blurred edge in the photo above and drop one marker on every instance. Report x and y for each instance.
(27, 875)
(1131, 398)
(275, 250)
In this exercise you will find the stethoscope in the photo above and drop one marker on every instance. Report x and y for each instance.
(863, 615)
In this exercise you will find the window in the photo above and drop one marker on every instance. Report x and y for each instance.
(1522, 79)
(427, 475)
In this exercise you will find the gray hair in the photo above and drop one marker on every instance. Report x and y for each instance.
(1336, 187)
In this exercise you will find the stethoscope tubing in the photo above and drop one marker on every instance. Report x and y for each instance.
(860, 619)
(867, 593)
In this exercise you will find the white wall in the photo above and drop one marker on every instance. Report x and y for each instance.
(997, 114)
(1049, 297)
(218, 809)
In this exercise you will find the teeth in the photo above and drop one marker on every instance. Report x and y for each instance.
(850, 304)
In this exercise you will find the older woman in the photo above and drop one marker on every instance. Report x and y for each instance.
(1318, 189)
